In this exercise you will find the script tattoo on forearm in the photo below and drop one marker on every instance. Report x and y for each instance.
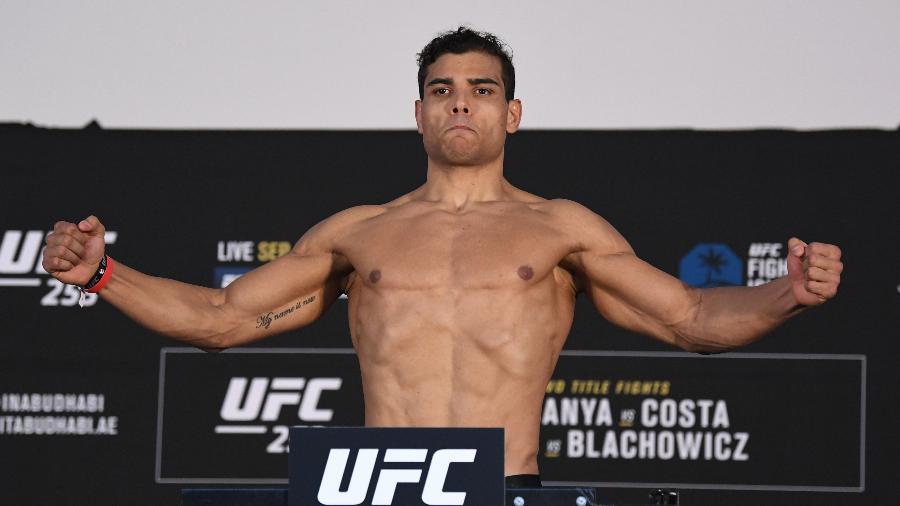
(265, 320)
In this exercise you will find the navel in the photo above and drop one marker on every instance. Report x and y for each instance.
(375, 276)
(525, 272)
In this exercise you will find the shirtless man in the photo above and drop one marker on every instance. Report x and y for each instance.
(461, 292)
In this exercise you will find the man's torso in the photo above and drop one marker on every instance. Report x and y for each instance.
(458, 318)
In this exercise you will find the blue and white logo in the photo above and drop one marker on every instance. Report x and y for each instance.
(711, 264)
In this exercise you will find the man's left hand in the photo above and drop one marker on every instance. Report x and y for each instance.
(814, 270)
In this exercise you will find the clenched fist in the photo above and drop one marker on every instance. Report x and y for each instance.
(814, 270)
(73, 251)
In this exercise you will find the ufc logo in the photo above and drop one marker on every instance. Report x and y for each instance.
(761, 249)
(264, 400)
(433, 492)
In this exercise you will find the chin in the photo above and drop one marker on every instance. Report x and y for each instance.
(457, 151)
(457, 157)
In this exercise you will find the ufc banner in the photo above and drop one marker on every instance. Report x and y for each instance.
(96, 409)
(243, 404)
(402, 466)
(688, 421)
(672, 417)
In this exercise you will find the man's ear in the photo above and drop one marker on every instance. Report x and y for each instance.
(419, 115)
(513, 116)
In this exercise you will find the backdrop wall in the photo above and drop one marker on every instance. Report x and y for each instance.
(94, 408)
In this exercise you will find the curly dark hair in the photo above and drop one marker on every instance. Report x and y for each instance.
(462, 40)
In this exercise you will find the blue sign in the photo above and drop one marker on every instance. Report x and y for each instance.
(711, 264)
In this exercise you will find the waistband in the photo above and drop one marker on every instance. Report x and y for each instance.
(523, 481)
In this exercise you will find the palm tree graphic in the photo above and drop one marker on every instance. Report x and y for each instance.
(713, 261)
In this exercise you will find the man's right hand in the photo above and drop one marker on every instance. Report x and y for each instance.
(73, 251)
(299, 285)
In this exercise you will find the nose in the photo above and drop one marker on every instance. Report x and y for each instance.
(461, 107)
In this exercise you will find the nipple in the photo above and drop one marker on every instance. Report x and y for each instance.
(525, 272)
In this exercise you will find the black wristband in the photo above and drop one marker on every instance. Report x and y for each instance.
(97, 275)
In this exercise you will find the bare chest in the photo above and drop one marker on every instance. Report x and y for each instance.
(444, 251)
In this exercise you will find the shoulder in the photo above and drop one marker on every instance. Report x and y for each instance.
(324, 234)
(587, 230)
(565, 209)
(570, 214)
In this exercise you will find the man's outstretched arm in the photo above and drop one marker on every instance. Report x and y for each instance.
(635, 295)
(284, 294)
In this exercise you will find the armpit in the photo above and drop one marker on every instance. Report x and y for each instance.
(347, 283)
(565, 278)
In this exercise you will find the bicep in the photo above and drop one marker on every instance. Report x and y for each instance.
(626, 290)
(637, 296)
(285, 294)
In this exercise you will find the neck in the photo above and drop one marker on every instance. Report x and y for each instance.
(460, 186)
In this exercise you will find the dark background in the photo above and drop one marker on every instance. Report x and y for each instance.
(172, 195)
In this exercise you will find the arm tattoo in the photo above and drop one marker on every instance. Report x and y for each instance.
(265, 320)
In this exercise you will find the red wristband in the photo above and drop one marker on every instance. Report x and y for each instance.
(104, 279)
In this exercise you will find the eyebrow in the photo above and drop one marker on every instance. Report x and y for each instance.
(483, 80)
(476, 80)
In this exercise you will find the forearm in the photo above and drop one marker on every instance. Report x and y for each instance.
(729, 317)
(182, 311)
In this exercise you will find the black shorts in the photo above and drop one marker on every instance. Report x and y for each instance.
(523, 481)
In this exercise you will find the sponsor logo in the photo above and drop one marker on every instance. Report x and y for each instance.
(709, 265)
(20, 266)
(716, 264)
(360, 479)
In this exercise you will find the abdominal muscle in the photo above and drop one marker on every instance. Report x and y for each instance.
(430, 359)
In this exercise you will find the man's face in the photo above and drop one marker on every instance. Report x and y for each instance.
(464, 116)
